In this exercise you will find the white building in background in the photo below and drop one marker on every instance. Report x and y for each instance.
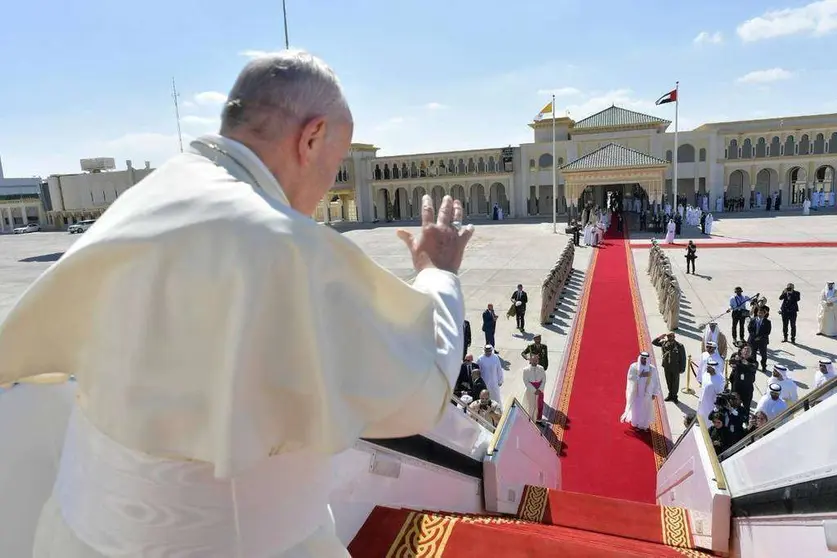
(613, 150)
(86, 195)
(20, 202)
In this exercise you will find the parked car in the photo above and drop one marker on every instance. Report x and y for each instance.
(81, 226)
(31, 227)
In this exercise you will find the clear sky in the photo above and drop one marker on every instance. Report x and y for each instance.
(92, 78)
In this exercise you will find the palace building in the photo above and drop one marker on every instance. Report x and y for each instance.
(613, 150)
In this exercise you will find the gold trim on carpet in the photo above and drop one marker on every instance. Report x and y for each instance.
(675, 522)
(659, 438)
(422, 536)
(563, 404)
(533, 504)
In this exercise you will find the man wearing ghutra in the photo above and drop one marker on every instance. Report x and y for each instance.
(713, 334)
(824, 373)
(827, 311)
(711, 386)
(771, 403)
(642, 388)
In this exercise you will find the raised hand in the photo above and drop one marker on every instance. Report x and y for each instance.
(441, 242)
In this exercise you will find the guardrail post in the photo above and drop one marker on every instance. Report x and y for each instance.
(689, 369)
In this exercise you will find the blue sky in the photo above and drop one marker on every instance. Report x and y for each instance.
(92, 78)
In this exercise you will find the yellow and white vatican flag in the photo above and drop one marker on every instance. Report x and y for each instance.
(548, 109)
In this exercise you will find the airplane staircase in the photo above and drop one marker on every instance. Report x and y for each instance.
(548, 523)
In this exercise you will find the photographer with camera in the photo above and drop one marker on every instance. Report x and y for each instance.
(733, 414)
(789, 309)
(742, 375)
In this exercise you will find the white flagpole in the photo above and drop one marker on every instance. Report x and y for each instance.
(285, 19)
(674, 157)
(554, 175)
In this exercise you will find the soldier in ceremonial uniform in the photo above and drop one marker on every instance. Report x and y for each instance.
(537, 348)
(674, 362)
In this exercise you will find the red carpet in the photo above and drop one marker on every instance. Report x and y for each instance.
(680, 245)
(396, 533)
(600, 454)
(632, 520)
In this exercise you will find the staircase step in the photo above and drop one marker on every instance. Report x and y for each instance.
(610, 516)
(399, 532)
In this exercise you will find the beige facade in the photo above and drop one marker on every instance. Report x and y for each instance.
(76, 197)
(794, 155)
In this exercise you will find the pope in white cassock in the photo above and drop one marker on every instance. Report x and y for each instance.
(827, 311)
(534, 378)
(670, 230)
(231, 345)
(642, 387)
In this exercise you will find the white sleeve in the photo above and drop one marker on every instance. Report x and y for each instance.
(449, 315)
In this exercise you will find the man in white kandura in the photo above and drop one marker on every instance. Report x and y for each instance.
(710, 354)
(827, 311)
(671, 228)
(491, 370)
(713, 334)
(782, 377)
(642, 388)
(824, 373)
(771, 403)
(534, 378)
(711, 386)
(708, 224)
(231, 345)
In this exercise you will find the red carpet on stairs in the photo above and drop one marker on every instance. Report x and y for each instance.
(397, 533)
(600, 454)
(622, 518)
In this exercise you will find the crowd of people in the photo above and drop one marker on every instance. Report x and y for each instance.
(477, 389)
(727, 384)
(666, 285)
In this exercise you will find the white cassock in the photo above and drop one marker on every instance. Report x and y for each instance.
(771, 407)
(827, 315)
(588, 234)
(491, 370)
(670, 230)
(711, 386)
(639, 405)
(221, 366)
(806, 207)
(534, 379)
(709, 220)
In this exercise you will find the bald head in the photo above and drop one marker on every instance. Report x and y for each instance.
(276, 93)
(289, 109)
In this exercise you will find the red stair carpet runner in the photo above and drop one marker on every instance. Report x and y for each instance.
(600, 454)
(399, 533)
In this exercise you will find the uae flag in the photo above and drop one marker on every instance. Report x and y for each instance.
(669, 97)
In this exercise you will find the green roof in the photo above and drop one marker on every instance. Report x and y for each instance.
(617, 117)
(613, 156)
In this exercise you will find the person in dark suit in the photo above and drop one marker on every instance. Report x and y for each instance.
(742, 375)
(759, 335)
(466, 331)
(520, 299)
(790, 308)
(469, 383)
(489, 324)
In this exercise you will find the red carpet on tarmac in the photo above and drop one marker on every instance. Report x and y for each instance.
(600, 454)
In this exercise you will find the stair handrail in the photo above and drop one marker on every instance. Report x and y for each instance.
(484, 423)
(803, 404)
(720, 478)
(511, 401)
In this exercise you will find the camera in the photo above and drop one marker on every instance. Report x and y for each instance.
(723, 400)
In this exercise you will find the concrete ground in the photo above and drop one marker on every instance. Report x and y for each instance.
(500, 256)
(764, 270)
